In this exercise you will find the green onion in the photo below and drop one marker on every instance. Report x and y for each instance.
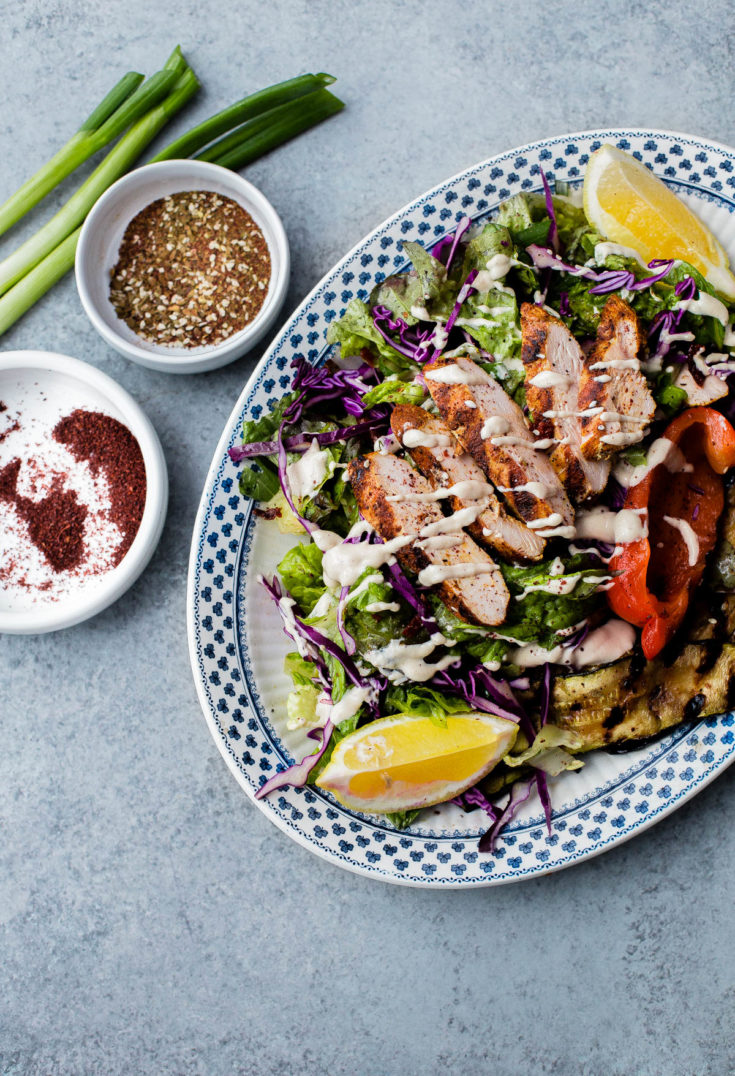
(115, 164)
(78, 149)
(35, 284)
(254, 139)
(245, 109)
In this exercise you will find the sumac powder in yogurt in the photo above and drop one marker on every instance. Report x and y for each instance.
(109, 446)
(72, 495)
(193, 269)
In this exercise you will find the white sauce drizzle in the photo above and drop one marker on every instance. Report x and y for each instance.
(494, 426)
(458, 375)
(706, 306)
(602, 646)
(690, 538)
(620, 528)
(414, 438)
(306, 474)
(538, 489)
(440, 573)
(662, 451)
(347, 706)
(374, 577)
(549, 379)
(470, 489)
(616, 364)
(605, 644)
(605, 250)
(380, 607)
(404, 661)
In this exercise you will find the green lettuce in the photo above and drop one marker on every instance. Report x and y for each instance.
(539, 616)
(550, 752)
(301, 572)
(418, 700)
(401, 819)
(396, 392)
(301, 707)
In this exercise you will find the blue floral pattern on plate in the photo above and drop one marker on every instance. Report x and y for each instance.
(647, 785)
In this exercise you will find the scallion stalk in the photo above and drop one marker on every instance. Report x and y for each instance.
(116, 163)
(78, 149)
(255, 104)
(259, 137)
(35, 284)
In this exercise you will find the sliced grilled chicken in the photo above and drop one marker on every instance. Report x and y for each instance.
(440, 457)
(395, 500)
(491, 427)
(612, 387)
(554, 364)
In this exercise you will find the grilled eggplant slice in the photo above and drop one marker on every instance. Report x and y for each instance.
(632, 701)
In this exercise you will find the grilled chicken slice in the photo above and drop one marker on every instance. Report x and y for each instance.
(554, 364)
(491, 427)
(439, 456)
(612, 387)
(396, 500)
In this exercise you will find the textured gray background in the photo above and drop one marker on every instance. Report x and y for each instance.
(151, 919)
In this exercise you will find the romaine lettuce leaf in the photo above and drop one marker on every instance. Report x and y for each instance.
(430, 272)
(301, 707)
(418, 700)
(538, 616)
(550, 752)
(396, 392)
(301, 572)
(259, 480)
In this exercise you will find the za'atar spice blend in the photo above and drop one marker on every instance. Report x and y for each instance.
(193, 269)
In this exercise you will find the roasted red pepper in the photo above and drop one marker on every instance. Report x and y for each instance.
(659, 573)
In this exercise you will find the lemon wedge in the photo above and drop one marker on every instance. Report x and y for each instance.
(402, 762)
(629, 205)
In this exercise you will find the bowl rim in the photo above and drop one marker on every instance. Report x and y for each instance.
(88, 601)
(164, 174)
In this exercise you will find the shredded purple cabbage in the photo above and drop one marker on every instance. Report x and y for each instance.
(577, 637)
(564, 307)
(445, 250)
(311, 636)
(298, 774)
(542, 784)
(519, 794)
(666, 322)
(322, 384)
(617, 279)
(553, 230)
(285, 485)
(349, 643)
(413, 342)
(545, 694)
(441, 250)
(606, 280)
(377, 421)
(474, 797)
(462, 227)
(481, 691)
(464, 293)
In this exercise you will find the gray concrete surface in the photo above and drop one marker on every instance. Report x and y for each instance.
(151, 919)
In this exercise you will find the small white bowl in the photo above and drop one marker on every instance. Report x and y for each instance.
(26, 377)
(102, 235)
